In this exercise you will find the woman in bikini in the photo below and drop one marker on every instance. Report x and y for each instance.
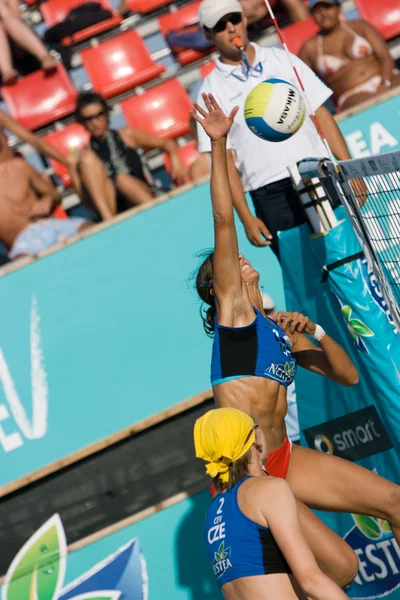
(351, 58)
(254, 360)
(253, 535)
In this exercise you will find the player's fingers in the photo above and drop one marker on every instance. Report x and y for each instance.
(300, 323)
(234, 112)
(265, 231)
(195, 116)
(213, 102)
(199, 110)
(207, 103)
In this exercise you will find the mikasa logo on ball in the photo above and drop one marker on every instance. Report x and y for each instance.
(274, 110)
(289, 102)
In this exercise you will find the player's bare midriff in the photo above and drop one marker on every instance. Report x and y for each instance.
(263, 399)
(263, 587)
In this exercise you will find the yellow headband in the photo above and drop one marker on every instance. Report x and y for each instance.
(219, 438)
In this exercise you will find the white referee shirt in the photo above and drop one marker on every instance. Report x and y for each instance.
(260, 162)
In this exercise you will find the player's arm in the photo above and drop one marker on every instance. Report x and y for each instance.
(328, 359)
(334, 136)
(227, 280)
(30, 138)
(381, 51)
(257, 233)
(137, 137)
(280, 512)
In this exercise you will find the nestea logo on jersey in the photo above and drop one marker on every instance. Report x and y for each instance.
(221, 562)
(379, 558)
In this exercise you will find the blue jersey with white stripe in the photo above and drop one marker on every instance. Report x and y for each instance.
(237, 546)
(260, 349)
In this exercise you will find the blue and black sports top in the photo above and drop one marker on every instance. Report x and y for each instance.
(237, 546)
(260, 349)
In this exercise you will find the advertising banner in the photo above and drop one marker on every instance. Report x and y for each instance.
(161, 557)
(107, 332)
(373, 130)
(38, 571)
(361, 423)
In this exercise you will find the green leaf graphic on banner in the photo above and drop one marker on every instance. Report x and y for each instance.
(38, 570)
(384, 525)
(360, 328)
(346, 311)
(369, 526)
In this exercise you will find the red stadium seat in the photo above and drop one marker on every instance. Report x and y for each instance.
(206, 68)
(39, 99)
(120, 64)
(55, 11)
(146, 6)
(65, 140)
(184, 17)
(187, 154)
(162, 110)
(384, 15)
(296, 34)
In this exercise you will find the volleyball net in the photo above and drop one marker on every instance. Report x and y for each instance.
(369, 189)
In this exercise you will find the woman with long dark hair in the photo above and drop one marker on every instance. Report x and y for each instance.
(254, 359)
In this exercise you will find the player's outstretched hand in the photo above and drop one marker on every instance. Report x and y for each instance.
(292, 322)
(213, 120)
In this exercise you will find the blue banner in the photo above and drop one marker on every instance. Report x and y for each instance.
(373, 130)
(123, 572)
(360, 423)
(107, 332)
(170, 562)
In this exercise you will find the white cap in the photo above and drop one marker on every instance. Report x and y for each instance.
(268, 303)
(211, 11)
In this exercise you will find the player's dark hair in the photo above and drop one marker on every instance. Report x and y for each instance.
(238, 470)
(86, 98)
(204, 282)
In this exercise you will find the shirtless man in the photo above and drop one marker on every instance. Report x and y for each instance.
(27, 198)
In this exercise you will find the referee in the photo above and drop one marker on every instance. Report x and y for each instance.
(257, 166)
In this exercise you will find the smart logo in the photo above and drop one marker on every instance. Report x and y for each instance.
(379, 558)
(354, 436)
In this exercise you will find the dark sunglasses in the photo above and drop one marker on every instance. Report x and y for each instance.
(101, 113)
(234, 18)
(249, 434)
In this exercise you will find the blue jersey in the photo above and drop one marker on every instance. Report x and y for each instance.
(237, 546)
(260, 349)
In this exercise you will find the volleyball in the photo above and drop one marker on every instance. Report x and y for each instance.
(274, 110)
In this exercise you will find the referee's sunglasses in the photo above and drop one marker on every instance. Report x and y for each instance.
(234, 18)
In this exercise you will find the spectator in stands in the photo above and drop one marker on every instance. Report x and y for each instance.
(13, 27)
(256, 10)
(110, 170)
(351, 58)
(27, 199)
(27, 136)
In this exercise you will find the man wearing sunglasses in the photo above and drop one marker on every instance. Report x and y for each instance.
(109, 173)
(257, 166)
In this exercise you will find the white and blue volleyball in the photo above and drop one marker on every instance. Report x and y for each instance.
(274, 110)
